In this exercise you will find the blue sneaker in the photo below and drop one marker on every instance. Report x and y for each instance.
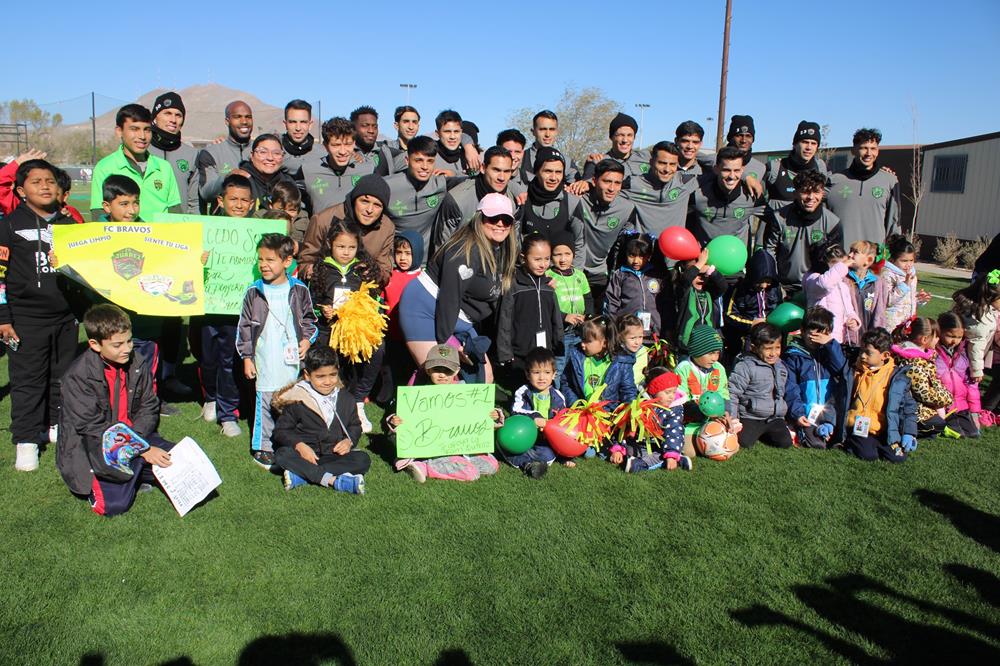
(590, 452)
(685, 463)
(292, 480)
(634, 465)
(350, 483)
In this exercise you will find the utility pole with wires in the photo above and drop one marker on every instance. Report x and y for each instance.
(93, 128)
(721, 118)
(642, 125)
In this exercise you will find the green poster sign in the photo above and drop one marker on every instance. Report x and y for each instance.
(231, 244)
(444, 420)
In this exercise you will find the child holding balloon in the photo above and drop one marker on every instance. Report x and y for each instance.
(539, 400)
(698, 286)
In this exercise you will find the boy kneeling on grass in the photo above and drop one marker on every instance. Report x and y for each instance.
(104, 387)
(316, 435)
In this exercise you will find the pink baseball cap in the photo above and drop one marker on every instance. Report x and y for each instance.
(496, 205)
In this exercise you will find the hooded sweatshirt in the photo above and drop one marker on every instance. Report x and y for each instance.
(31, 291)
(603, 223)
(954, 371)
(376, 238)
(790, 233)
(413, 206)
(215, 162)
(327, 185)
(529, 318)
(399, 280)
(929, 392)
(712, 212)
(660, 205)
(747, 302)
(867, 202)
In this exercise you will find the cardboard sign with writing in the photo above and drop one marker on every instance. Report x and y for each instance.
(231, 244)
(447, 420)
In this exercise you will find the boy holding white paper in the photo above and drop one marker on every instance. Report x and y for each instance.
(107, 427)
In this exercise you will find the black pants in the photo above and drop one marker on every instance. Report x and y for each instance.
(932, 427)
(962, 422)
(872, 448)
(772, 431)
(355, 462)
(991, 401)
(36, 371)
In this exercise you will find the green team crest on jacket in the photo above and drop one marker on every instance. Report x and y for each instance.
(816, 235)
(878, 192)
(740, 213)
(354, 180)
(398, 207)
(320, 185)
(183, 166)
(673, 194)
(710, 214)
(433, 200)
(613, 222)
(643, 169)
(158, 184)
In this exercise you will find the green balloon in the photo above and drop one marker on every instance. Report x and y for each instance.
(787, 316)
(712, 404)
(517, 434)
(728, 254)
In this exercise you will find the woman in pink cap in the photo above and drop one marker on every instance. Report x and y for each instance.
(462, 284)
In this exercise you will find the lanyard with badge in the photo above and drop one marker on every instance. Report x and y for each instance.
(289, 347)
(540, 338)
(863, 424)
(816, 408)
(645, 318)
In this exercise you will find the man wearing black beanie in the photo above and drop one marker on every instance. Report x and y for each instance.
(741, 135)
(780, 175)
(168, 119)
(621, 130)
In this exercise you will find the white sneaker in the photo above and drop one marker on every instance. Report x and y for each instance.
(231, 429)
(27, 457)
(53, 434)
(208, 412)
(366, 425)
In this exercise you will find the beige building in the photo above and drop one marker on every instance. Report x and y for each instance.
(962, 188)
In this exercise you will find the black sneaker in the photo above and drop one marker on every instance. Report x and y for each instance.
(263, 458)
(166, 409)
(536, 469)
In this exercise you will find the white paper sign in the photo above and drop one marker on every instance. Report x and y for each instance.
(190, 477)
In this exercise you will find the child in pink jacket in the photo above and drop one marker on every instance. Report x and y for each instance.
(830, 289)
(955, 373)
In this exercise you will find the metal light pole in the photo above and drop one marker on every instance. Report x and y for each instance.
(725, 73)
(93, 129)
(409, 87)
(642, 125)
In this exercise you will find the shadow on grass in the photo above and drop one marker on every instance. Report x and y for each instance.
(652, 653)
(844, 602)
(982, 527)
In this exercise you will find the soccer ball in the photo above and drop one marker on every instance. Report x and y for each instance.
(715, 442)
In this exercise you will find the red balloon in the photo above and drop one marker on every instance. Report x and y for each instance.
(563, 440)
(679, 244)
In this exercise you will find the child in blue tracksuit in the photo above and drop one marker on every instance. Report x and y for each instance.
(540, 400)
(816, 389)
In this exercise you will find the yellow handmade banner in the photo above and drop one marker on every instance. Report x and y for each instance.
(151, 269)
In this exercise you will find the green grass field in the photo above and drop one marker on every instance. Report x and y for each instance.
(773, 557)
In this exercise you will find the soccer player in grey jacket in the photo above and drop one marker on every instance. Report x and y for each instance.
(721, 204)
(298, 142)
(605, 216)
(688, 136)
(741, 135)
(780, 174)
(514, 142)
(497, 169)
(864, 196)
(216, 160)
(545, 128)
(168, 119)
(661, 195)
(621, 131)
(792, 231)
(416, 195)
(329, 180)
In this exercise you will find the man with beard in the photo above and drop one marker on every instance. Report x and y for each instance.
(792, 231)
(497, 168)
(218, 160)
(365, 120)
(415, 196)
(329, 180)
(720, 205)
(168, 119)
(605, 215)
(514, 142)
(549, 208)
(621, 131)
(661, 195)
(780, 174)
(545, 129)
(298, 141)
(864, 196)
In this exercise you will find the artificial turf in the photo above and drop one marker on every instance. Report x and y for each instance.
(773, 557)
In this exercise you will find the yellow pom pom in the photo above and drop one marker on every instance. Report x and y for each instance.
(360, 325)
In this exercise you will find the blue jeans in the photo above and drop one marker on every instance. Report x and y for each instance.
(537, 453)
(570, 339)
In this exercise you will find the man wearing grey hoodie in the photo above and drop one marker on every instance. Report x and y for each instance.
(216, 160)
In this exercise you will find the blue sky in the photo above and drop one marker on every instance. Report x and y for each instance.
(846, 64)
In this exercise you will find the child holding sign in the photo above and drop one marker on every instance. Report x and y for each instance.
(344, 269)
(276, 327)
(317, 433)
(441, 367)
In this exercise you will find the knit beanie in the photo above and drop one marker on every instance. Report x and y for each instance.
(806, 130)
(168, 100)
(372, 185)
(703, 340)
(563, 238)
(622, 120)
(547, 154)
(740, 125)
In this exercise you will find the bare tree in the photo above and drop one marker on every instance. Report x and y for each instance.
(583, 121)
(918, 187)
